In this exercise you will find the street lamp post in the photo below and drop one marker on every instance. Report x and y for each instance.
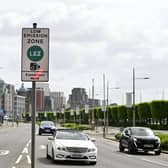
(93, 120)
(104, 107)
(133, 93)
(107, 116)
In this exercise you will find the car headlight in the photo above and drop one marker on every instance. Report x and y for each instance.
(91, 150)
(62, 148)
(158, 140)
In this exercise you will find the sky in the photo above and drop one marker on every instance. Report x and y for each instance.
(89, 38)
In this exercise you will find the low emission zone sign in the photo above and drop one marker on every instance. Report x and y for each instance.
(35, 54)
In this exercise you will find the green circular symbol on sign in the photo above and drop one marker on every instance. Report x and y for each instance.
(35, 53)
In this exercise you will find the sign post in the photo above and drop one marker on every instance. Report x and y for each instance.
(34, 67)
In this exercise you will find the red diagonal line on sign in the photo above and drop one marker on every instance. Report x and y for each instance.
(38, 74)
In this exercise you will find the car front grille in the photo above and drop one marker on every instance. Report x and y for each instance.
(77, 149)
(141, 143)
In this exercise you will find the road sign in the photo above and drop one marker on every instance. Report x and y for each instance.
(35, 54)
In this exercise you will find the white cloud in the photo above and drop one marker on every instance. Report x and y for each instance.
(89, 38)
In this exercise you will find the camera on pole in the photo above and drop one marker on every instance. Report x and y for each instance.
(34, 66)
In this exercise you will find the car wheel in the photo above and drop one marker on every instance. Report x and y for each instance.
(93, 163)
(121, 148)
(47, 155)
(145, 151)
(39, 133)
(157, 152)
(131, 149)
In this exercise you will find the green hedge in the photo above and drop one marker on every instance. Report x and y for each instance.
(76, 126)
(164, 140)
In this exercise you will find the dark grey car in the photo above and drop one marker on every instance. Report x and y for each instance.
(139, 139)
(47, 127)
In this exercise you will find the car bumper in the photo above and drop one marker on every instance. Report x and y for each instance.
(89, 156)
(50, 131)
(147, 147)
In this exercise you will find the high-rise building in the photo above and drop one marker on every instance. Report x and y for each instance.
(8, 100)
(2, 90)
(22, 91)
(45, 87)
(94, 102)
(78, 98)
(59, 100)
(40, 100)
(19, 106)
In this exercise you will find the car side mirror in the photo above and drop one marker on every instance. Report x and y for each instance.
(93, 139)
(127, 133)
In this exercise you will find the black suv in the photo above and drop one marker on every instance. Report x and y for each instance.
(139, 139)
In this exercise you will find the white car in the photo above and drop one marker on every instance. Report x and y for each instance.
(71, 145)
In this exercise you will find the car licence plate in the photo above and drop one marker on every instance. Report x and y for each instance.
(148, 145)
(76, 155)
(47, 130)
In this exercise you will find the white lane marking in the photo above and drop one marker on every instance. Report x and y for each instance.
(18, 160)
(25, 150)
(28, 159)
(27, 145)
(42, 147)
(155, 162)
(13, 167)
(4, 152)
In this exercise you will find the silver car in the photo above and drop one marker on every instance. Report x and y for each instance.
(71, 145)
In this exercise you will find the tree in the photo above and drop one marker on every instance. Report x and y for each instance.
(122, 113)
(157, 110)
(144, 111)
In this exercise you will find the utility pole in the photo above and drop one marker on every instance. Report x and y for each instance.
(133, 93)
(104, 107)
(93, 119)
(33, 118)
(107, 121)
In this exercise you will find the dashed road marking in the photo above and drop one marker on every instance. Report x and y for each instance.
(19, 159)
(28, 159)
(27, 145)
(4, 152)
(25, 150)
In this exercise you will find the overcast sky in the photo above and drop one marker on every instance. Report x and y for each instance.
(89, 38)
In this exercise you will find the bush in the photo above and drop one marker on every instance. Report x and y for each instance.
(76, 126)
(164, 140)
(118, 135)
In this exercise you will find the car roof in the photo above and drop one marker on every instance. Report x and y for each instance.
(136, 128)
(43, 122)
(67, 130)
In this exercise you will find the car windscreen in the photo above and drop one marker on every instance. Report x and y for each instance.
(142, 132)
(68, 135)
(47, 124)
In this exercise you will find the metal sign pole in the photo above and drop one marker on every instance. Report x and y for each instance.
(33, 118)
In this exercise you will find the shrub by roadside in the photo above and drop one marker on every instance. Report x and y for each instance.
(164, 140)
(76, 126)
